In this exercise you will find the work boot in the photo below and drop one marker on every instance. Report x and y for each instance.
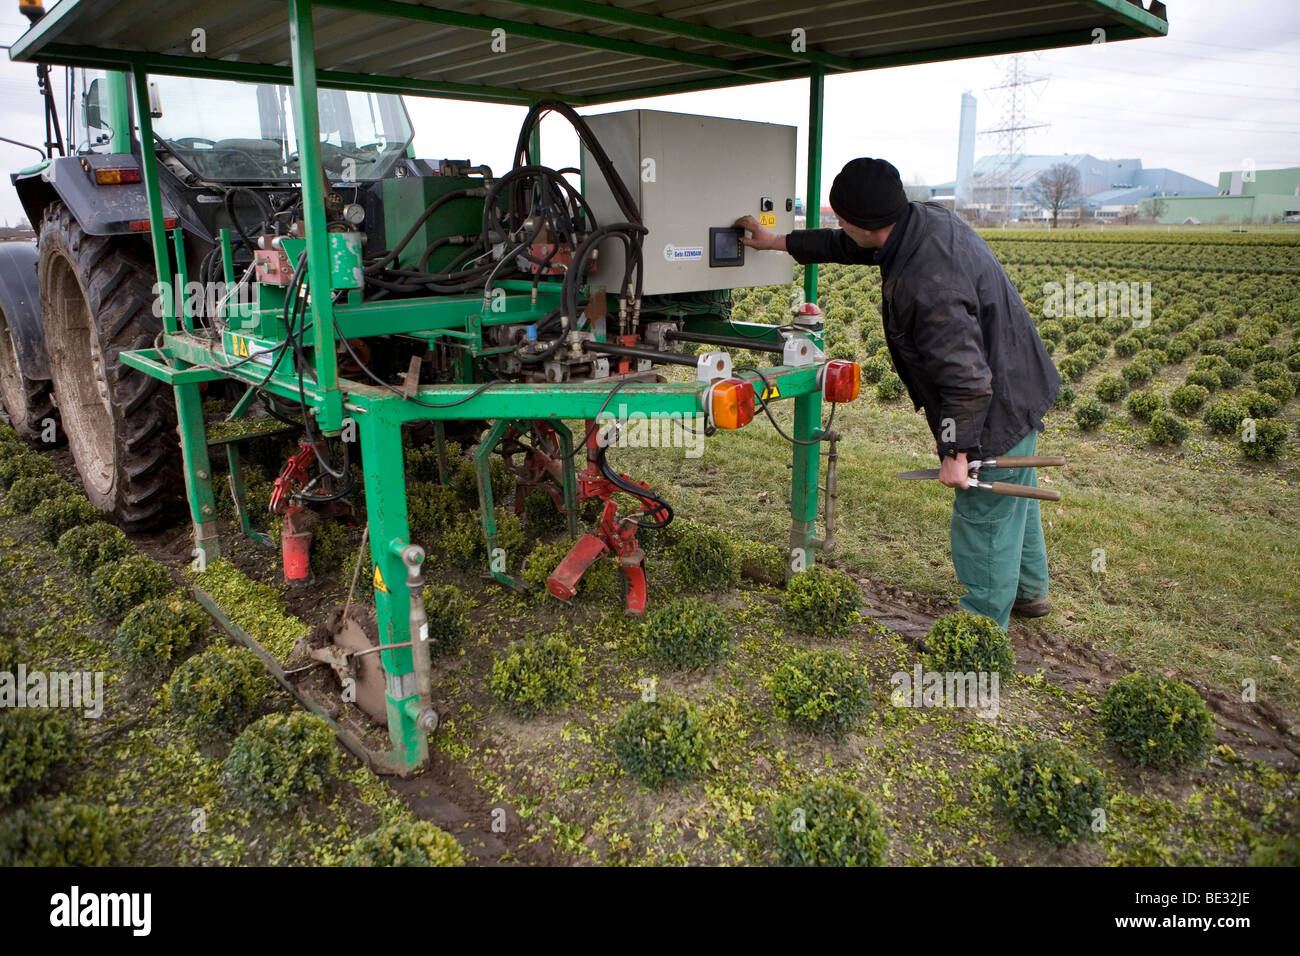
(1031, 607)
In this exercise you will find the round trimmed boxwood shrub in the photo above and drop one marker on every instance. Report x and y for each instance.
(1050, 331)
(1136, 373)
(328, 540)
(1280, 388)
(406, 843)
(1111, 388)
(85, 547)
(23, 464)
(466, 548)
(218, 691)
(1127, 345)
(828, 823)
(962, 642)
(1268, 440)
(1204, 378)
(447, 610)
(26, 493)
(282, 760)
(822, 692)
(1142, 405)
(1229, 377)
(432, 509)
(63, 832)
(1072, 368)
(1241, 357)
(34, 742)
(1156, 721)
(704, 558)
(876, 368)
(1048, 790)
(822, 600)
(598, 579)
(1090, 414)
(1260, 404)
(120, 585)
(1178, 348)
(1064, 397)
(155, 633)
(54, 516)
(1166, 429)
(536, 674)
(890, 387)
(661, 741)
(689, 633)
(1223, 416)
(541, 513)
(1263, 371)
(1188, 399)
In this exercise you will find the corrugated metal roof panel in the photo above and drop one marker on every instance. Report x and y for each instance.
(578, 50)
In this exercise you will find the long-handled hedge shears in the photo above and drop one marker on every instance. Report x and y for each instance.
(1000, 487)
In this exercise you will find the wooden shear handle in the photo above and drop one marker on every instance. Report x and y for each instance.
(1021, 491)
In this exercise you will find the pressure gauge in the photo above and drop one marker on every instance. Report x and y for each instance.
(354, 214)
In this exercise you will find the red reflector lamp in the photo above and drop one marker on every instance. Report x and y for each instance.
(142, 225)
(841, 380)
(117, 177)
(730, 403)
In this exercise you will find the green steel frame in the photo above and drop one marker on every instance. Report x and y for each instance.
(185, 360)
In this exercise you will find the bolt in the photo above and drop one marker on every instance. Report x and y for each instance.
(206, 509)
(203, 475)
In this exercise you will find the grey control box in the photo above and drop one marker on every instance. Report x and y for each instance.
(693, 176)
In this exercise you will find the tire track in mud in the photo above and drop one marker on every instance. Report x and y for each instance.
(1259, 731)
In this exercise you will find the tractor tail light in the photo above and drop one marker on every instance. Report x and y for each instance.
(117, 177)
(731, 403)
(841, 380)
(142, 225)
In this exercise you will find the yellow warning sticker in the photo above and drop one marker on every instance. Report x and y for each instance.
(771, 391)
(767, 219)
(379, 580)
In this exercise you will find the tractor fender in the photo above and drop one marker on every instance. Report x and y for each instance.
(20, 298)
(102, 210)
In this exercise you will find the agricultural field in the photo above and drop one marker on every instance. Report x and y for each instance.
(572, 734)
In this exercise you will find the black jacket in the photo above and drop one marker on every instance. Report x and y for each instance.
(960, 337)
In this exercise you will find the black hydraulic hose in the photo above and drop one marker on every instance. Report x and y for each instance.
(626, 203)
(654, 355)
(733, 342)
(433, 207)
(621, 483)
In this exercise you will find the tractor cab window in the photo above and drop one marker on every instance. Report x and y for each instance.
(93, 127)
(244, 132)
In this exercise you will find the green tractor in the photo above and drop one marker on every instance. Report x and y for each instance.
(86, 290)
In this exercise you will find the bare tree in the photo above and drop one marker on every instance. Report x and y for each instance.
(1156, 207)
(1056, 189)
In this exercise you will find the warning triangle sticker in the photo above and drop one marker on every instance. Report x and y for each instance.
(379, 580)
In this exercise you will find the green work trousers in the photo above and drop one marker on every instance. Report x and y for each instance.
(997, 542)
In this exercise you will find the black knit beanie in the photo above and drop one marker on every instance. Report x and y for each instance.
(868, 193)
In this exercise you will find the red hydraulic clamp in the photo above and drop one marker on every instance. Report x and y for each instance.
(295, 538)
(614, 535)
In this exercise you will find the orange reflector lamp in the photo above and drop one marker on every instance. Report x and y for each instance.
(841, 380)
(142, 225)
(730, 403)
(117, 177)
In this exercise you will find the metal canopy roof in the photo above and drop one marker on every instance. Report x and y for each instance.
(575, 50)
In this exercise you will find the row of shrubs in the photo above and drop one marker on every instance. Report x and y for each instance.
(276, 762)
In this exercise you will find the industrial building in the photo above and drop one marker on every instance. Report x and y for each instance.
(998, 186)
(1244, 195)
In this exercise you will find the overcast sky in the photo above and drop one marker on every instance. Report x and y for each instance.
(1221, 90)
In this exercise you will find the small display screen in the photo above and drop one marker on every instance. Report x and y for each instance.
(725, 247)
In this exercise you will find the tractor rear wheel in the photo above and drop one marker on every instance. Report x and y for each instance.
(97, 301)
(26, 400)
